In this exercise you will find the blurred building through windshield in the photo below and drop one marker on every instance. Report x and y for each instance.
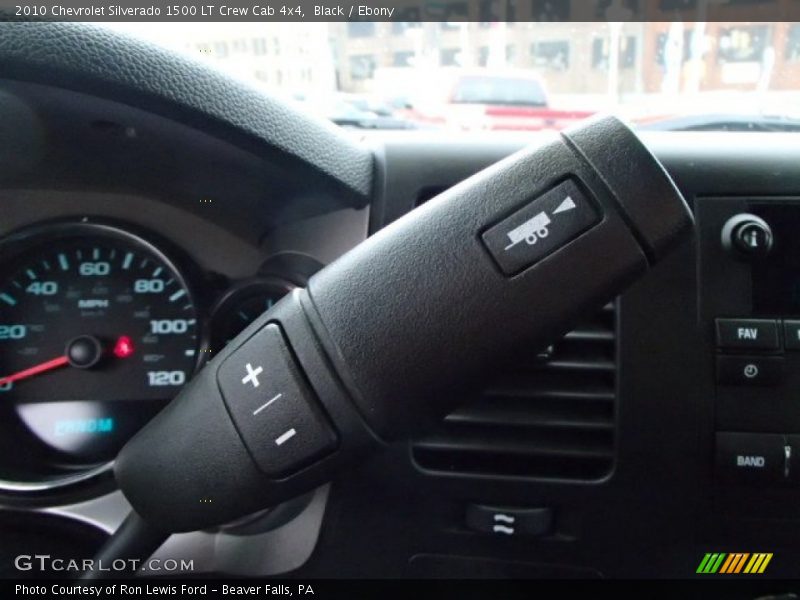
(492, 75)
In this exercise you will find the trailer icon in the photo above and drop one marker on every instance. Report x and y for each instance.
(530, 231)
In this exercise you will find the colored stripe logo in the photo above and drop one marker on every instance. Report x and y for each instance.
(734, 563)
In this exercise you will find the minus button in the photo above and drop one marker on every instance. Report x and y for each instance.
(285, 437)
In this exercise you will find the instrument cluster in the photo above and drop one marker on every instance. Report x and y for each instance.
(100, 327)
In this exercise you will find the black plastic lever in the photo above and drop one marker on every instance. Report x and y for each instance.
(385, 340)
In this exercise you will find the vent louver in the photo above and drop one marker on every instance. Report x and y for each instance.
(552, 415)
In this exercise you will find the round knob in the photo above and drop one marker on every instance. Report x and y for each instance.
(748, 236)
(84, 351)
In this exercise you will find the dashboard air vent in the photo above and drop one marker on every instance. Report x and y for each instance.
(552, 415)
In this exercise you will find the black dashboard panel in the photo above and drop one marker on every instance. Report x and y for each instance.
(663, 492)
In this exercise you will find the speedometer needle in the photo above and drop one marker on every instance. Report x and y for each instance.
(36, 370)
(83, 352)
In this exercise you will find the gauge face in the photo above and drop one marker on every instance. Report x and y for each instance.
(244, 305)
(97, 330)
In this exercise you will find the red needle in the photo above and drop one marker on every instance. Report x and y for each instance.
(40, 368)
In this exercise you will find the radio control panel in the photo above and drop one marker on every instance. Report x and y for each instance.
(749, 309)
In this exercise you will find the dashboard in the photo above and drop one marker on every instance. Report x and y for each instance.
(665, 420)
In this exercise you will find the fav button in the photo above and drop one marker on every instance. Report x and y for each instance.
(751, 457)
(749, 370)
(748, 334)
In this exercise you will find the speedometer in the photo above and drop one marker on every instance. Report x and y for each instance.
(98, 329)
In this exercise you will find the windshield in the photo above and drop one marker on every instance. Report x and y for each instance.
(495, 76)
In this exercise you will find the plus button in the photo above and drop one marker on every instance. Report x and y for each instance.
(252, 375)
